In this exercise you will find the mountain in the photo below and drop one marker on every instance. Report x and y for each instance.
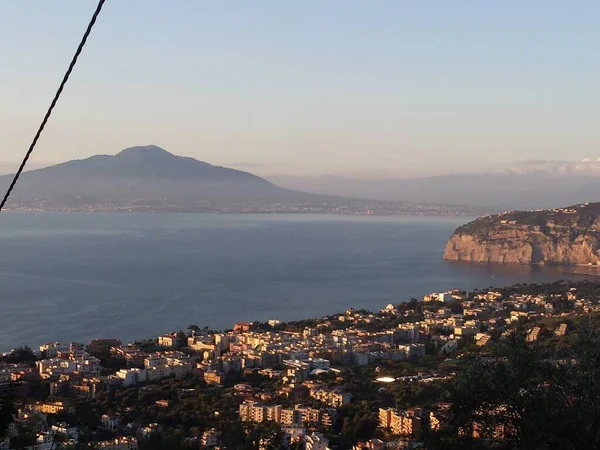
(144, 177)
(149, 178)
(552, 236)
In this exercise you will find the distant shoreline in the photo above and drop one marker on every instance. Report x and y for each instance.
(465, 214)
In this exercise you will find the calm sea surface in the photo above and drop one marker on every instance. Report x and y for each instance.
(79, 276)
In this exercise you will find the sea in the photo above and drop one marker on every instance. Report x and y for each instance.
(78, 276)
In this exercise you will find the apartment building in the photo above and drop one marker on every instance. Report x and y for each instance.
(131, 376)
(405, 423)
(331, 397)
(255, 412)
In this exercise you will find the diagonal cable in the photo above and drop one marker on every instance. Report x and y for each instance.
(53, 104)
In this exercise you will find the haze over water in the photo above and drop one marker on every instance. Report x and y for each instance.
(76, 276)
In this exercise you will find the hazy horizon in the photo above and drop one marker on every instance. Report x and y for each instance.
(586, 167)
(524, 185)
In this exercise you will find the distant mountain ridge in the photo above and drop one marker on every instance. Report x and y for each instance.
(143, 177)
(150, 161)
(149, 178)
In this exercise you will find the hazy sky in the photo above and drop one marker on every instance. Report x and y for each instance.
(307, 87)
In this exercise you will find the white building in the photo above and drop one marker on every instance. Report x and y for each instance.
(52, 349)
(131, 376)
(319, 363)
(64, 429)
(56, 366)
(155, 361)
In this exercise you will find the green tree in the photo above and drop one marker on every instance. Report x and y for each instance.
(195, 329)
(266, 436)
(534, 401)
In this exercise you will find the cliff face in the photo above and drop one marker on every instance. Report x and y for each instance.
(557, 236)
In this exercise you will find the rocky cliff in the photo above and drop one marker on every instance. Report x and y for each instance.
(554, 236)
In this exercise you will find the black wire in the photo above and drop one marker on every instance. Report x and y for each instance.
(53, 104)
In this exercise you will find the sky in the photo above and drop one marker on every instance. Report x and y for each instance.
(364, 88)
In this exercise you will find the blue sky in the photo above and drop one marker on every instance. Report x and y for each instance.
(388, 88)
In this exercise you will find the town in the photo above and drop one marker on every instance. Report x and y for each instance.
(357, 379)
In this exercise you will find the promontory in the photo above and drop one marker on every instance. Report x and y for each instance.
(564, 236)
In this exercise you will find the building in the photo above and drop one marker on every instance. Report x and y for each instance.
(133, 354)
(405, 423)
(159, 365)
(289, 417)
(482, 339)
(205, 344)
(561, 330)
(172, 340)
(56, 366)
(300, 415)
(408, 332)
(44, 441)
(241, 327)
(102, 346)
(251, 411)
(316, 441)
(413, 351)
(328, 417)
(292, 434)
(122, 443)
(52, 407)
(466, 330)
(533, 334)
(273, 413)
(66, 430)
(232, 364)
(155, 361)
(86, 388)
(442, 297)
(210, 438)
(331, 397)
(51, 349)
(256, 412)
(110, 421)
(385, 417)
(435, 423)
(214, 377)
(319, 363)
(246, 411)
(131, 376)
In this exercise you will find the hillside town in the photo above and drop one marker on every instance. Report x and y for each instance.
(358, 379)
